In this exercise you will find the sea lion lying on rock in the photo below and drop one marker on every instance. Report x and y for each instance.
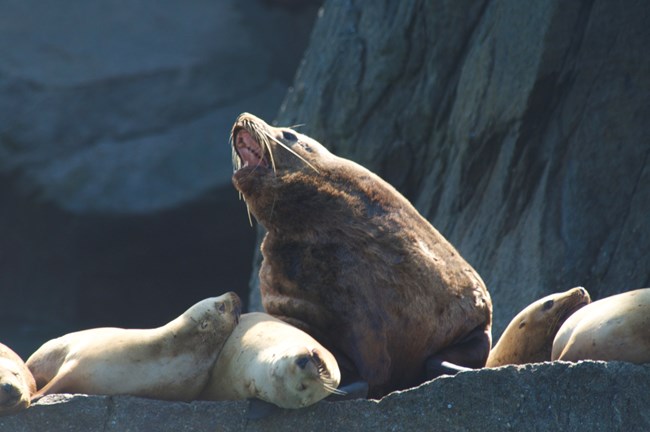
(16, 382)
(529, 336)
(613, 328)
(171, 362)
(349, 260)
(268, 359)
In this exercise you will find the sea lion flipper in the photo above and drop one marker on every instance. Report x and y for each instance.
(436, 367)
(470, 352)
(259, 409)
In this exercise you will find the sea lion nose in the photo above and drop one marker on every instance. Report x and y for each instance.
(302, 361)
(10, 390)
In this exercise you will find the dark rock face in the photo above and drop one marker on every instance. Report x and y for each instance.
(592, 396)
(116, 207)
(517, 129)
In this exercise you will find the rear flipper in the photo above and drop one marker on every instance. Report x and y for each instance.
(469, 353)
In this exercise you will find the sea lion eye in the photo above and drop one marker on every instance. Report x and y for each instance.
(547, 305)
(289, 136)
(222, 308)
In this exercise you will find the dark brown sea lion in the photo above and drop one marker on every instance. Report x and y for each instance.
(612, 328)
(350, 261)
(529, 336)
(16, 382)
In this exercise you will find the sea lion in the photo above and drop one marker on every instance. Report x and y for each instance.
(349, 260)
(529, 336)
(268, 359)
(613, 328)
(171, 362)
(16, 382)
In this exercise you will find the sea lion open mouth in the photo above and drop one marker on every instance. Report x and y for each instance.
(247, 150)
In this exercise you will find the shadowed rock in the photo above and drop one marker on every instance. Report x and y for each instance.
(592, 396)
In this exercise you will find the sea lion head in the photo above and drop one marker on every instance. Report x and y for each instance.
(15, 386)
(529, 336)
(303, 376)
(209, 322)
(274, 165)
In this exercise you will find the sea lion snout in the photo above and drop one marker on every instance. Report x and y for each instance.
(231, 302)
(10, 394)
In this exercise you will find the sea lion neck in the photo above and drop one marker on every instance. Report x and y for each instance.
(303, 201)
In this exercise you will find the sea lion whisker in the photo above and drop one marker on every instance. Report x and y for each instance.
(333, 389)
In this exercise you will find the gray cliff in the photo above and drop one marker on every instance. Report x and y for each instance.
(519, 129)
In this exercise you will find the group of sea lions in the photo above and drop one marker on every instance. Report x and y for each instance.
(363, 296)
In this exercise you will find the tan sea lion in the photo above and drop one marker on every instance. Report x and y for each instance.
(529, 336)
(613, 328)
(16, 382)
(268, 359)
(171, 362)
(349, 260)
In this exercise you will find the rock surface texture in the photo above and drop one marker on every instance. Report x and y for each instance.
(116, 206)
(593, 396)
(519, 130)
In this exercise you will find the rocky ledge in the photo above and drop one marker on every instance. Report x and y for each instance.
(594, 396)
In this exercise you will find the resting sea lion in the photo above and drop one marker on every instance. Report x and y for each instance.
(268, 359)
(349, 260)
(529, 336)
(613, 328)
(171, 362)
(16, 382)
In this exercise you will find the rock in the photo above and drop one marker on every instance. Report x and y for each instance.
(517, 129)
(595, 396)
(116, 206)
(107, 108)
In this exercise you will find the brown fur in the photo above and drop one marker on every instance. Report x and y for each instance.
(349, 260)
(16, 382)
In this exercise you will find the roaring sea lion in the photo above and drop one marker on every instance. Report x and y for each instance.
(529, 336)
(349, 260)
(16, 382)
(270, 360)
(171, 362)
(613, 328)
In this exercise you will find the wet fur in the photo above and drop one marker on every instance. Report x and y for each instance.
(349, 260)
